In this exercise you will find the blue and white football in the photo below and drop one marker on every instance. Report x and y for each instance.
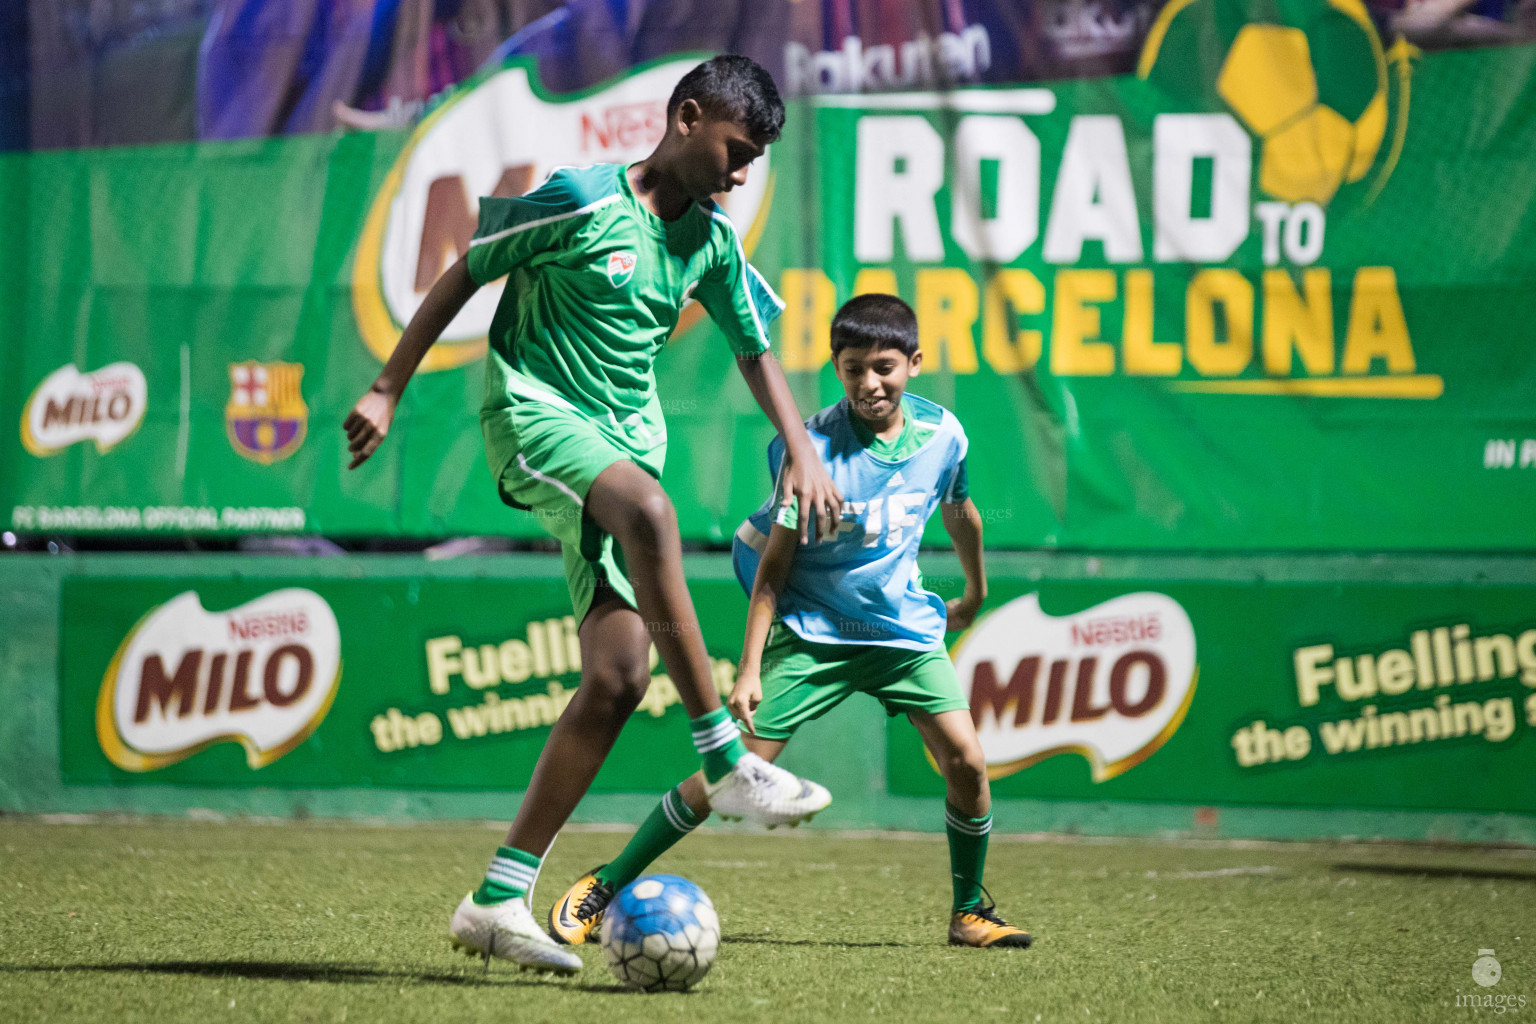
(660, 934)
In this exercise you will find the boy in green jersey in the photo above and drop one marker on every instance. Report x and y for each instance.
(851, 615)
(600, 261)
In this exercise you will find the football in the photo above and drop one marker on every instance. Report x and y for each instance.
(660, 934)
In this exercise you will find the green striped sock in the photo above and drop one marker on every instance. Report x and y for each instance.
(670, 821)
(967, 855)
(716, 737)
(510, 876)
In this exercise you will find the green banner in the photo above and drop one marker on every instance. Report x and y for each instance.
(1195, 692)
(410, 684)
(1307, 695)
(1264, 294)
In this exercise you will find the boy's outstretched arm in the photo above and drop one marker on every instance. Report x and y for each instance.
(804, 476)
(962, 521)
(772, 571)
(370, 418)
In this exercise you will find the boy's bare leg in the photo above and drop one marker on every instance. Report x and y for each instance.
(615, 671)
(495, 920)
(950, 737)
(628, 503)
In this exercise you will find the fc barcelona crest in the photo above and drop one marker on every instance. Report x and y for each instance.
(266, 417)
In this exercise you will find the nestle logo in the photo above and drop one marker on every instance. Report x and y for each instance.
(624, 126)
(110, 382)
(276, 624)
(1127, 629)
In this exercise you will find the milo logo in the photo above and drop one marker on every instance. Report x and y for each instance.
(104, 406)
(262, 675)
(1112, 682)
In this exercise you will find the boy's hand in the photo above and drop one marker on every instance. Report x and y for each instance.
(746, 695)
(961, 611)
(820, 502)
(367, 424)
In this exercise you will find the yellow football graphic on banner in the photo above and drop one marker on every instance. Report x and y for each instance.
(1308, 79)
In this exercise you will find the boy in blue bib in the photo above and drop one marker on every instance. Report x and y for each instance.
(849, 614)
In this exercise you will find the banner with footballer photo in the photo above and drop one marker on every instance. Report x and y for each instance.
(1264, 293)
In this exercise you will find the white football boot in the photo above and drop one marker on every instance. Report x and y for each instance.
(765, 793)
(507, 930)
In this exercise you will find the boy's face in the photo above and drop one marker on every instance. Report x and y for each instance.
(714, 151)
(874, 379)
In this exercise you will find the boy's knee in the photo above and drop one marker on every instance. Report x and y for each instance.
(967, 767)
(652, 519)
(621, 686)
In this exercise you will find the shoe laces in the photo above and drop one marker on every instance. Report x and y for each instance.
(987, 914)
(595, 901)
(987, 911)
(760, 773)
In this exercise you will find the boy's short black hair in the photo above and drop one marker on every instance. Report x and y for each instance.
(875, 321)
(736, 87)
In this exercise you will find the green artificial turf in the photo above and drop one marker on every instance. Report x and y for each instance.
(172, 921)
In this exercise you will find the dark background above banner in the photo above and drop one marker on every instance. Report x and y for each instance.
(118, 72)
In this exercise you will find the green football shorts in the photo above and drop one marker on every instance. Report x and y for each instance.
(804, 680)
(545, 459)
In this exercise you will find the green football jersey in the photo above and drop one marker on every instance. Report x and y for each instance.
(597, 283)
